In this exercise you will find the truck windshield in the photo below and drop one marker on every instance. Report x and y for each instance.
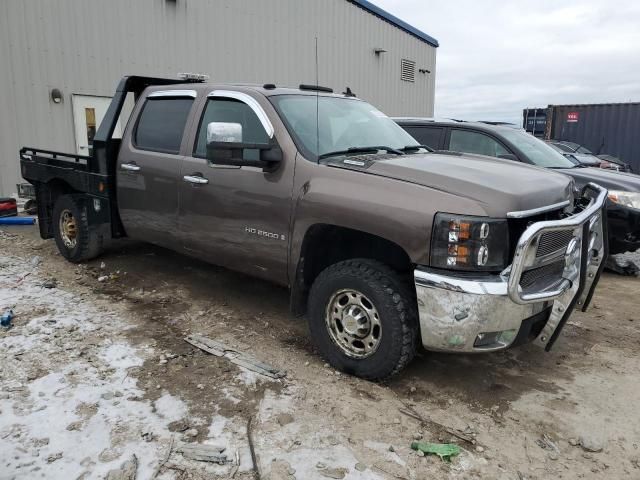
(338, 124)
(536, 151)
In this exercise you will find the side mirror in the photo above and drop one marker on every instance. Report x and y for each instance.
(227, 132)
(508, 156)
(225, 147)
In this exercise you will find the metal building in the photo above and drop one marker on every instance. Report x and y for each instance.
(62, 60)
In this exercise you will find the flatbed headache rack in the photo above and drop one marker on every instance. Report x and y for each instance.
(54, 172)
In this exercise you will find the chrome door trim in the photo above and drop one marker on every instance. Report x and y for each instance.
(251, 102)
(173, 93)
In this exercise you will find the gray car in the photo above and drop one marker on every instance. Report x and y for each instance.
(577, 154)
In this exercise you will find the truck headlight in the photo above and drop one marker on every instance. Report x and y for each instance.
(627, 199)
(469, 243)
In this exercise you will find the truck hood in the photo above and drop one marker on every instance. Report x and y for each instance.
(609, 179)
(498, 185)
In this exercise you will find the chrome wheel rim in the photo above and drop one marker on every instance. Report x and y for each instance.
(68, 229)
(353, 323)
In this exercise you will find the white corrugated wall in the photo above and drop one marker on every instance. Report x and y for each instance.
(85, 46)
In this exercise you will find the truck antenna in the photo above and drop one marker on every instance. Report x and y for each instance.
(317, 106)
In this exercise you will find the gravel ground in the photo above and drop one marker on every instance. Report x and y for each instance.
(98, 382)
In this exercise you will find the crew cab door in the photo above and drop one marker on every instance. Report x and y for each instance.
(148, 170)
(237, 216)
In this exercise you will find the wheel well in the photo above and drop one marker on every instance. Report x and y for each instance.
(324, 245)
(46, 196)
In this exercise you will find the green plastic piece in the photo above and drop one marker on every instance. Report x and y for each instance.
(456, 341)
(444, 450)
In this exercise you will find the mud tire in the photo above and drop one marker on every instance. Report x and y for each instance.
(394, 300)
(89, 242)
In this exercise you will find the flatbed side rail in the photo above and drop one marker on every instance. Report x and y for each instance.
(49, 157)
(29, 151)
(40, 167)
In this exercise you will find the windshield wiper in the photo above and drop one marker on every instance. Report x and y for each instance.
(411, 148)
(374, 149)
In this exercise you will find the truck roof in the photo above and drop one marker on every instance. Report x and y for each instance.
(266, 89)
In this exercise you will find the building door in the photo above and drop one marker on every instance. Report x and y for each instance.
(88, 112)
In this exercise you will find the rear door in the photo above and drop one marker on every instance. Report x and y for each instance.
(237, 216)
(429, 135)
(148, 169)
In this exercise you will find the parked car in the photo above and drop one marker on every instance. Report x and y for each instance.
(622, 166)
(383, 244)
(576, 156)
(623, 206)
(587, 157)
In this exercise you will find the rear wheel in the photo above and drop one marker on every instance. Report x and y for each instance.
(363, 318)
(75, 238)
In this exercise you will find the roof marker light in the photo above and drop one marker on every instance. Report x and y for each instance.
(198, 77)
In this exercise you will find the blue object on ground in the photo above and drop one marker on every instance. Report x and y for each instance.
(18, 221)
(5, 320)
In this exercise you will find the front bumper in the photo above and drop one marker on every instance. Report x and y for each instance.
(491, 312)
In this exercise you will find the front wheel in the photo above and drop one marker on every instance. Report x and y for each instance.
(363, 318)
(77, 241)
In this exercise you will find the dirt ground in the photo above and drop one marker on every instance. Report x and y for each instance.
(95, 373)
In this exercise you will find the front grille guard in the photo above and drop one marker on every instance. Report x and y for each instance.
(584, 261)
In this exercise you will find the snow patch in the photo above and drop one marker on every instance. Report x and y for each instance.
(170, 408)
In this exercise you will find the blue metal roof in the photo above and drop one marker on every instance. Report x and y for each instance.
(393, 20)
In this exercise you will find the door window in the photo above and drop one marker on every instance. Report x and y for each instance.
(90, 120)
(429, 136)
(466, 141)
(161, 124)
(234, 111)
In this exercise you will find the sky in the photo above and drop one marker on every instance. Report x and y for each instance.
(498, 57)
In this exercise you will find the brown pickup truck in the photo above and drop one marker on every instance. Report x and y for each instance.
(384, 244)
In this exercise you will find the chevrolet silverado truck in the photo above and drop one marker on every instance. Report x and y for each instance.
(384, 245)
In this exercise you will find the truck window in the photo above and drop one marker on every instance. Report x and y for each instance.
(324, 124)
(236, 111)
(466, 141)
(429, 136)
(161, 124)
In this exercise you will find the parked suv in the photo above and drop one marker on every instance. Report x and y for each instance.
(382, 244)
(623, 206)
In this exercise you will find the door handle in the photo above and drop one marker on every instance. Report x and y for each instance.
(196, 179)
(132, 167)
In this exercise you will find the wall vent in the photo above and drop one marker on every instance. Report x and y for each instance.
(407, 70)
